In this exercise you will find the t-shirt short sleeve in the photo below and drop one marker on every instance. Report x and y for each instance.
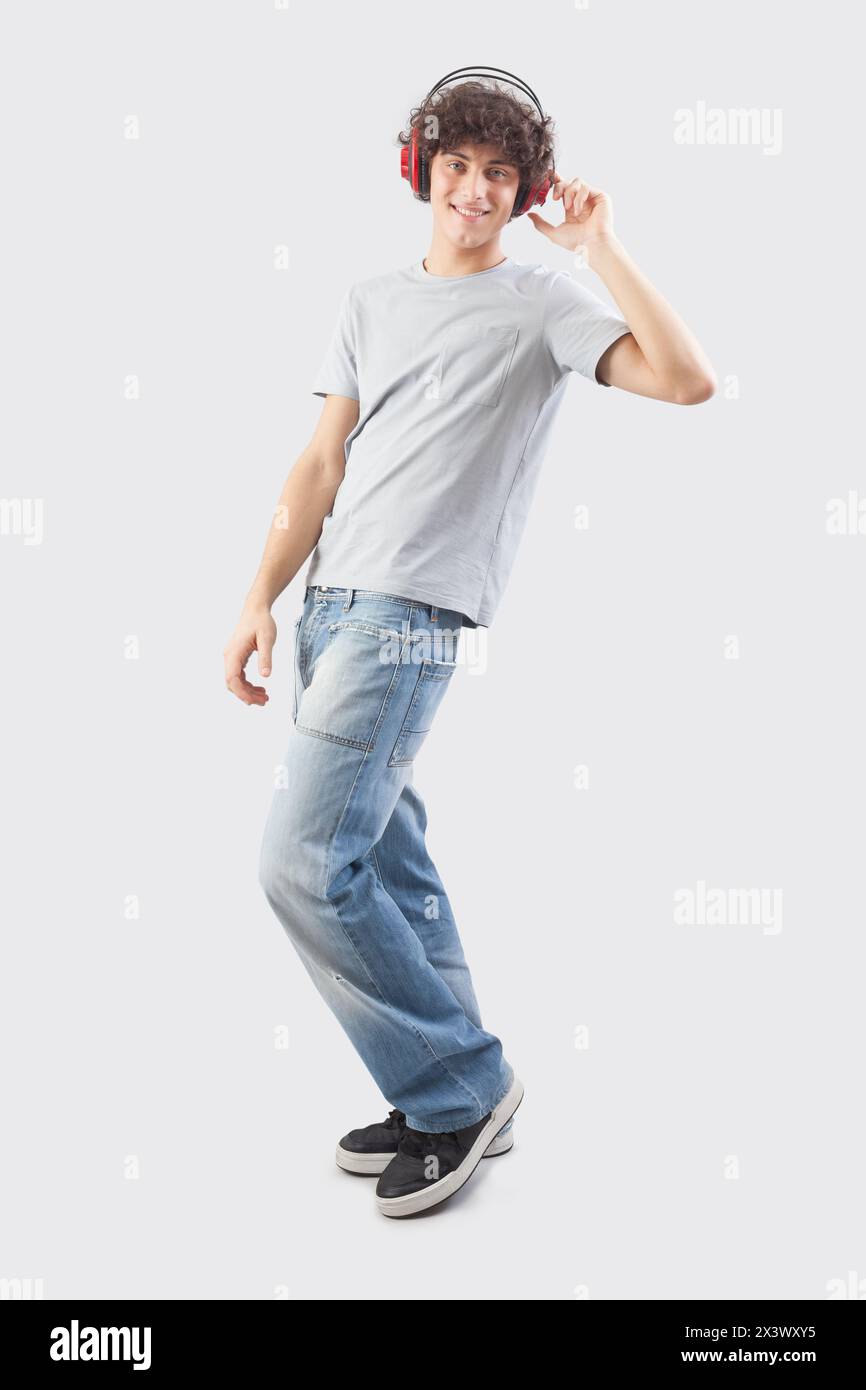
(578, 326)
(338, 374)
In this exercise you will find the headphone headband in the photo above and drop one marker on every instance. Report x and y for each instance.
(467, 72)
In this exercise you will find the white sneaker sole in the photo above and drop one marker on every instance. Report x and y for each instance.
(373, 1164)
(446, 1187)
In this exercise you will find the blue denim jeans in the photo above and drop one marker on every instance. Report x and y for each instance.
(344, 862)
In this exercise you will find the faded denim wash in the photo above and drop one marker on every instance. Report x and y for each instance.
(344, 863)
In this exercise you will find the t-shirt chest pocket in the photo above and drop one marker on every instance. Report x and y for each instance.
(474, 363)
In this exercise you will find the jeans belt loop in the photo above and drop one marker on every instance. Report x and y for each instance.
(348, 604)
(434, 613)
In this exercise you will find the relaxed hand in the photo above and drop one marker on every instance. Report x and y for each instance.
(256, 632)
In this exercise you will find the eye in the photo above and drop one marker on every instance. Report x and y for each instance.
(458, 163)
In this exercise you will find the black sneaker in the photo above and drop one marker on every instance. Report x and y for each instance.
(370, 1150)
(429, 1168)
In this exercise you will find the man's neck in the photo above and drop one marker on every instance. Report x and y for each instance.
(444, 258)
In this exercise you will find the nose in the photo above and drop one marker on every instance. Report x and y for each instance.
(473, 192)
(472, 188)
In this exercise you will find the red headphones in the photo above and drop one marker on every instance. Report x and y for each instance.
(415, 167)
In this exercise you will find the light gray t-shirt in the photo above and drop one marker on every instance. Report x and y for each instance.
(459, 379)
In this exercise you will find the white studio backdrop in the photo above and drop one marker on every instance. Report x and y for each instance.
(645, 791)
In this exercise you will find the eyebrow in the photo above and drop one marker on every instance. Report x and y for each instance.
(506, 163)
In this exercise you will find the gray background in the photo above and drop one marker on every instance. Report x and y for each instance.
(708, 1142)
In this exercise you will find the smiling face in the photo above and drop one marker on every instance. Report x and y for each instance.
(472, 193)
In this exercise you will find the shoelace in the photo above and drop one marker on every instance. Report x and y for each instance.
(395, 1119)
(419, 1142)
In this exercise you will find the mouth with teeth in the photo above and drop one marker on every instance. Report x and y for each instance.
(469, 214)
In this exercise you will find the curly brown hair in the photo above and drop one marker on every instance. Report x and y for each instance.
(483, 113)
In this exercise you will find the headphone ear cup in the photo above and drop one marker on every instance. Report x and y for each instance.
(523, 200)
(530, 194)
(423, 171)
(414, 167)
(414, 161)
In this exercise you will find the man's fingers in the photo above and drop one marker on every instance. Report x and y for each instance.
(576, 196)
(257, 636)
(249, 694)
(264, 646)
(540, 224)
(236, 680)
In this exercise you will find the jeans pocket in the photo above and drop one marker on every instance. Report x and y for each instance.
(433, 680)
(351, 675)
(475, 363)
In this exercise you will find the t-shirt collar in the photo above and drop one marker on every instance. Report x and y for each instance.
(423, 274)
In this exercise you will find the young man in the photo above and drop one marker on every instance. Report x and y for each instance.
(441, 384)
